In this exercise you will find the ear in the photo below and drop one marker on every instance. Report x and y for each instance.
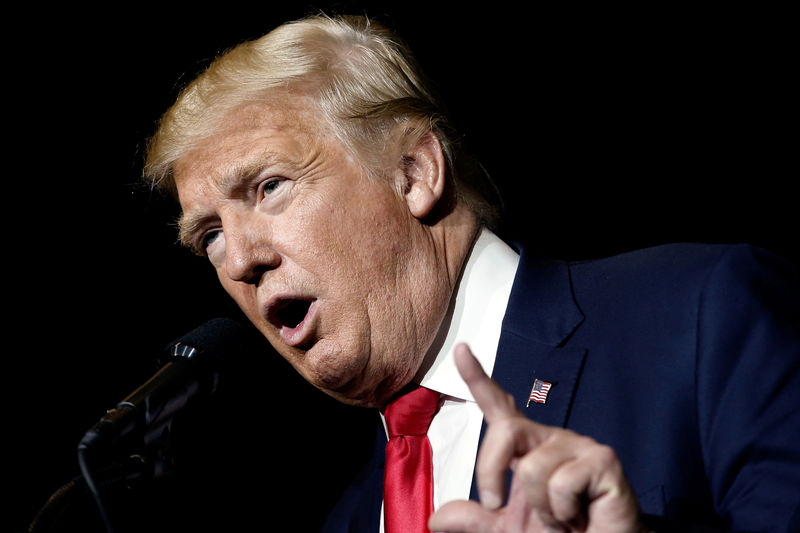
(424, 171)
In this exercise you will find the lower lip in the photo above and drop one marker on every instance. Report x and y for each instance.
(301, 333)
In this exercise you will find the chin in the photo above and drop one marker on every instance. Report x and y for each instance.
(334, 374)
(366, 400)
(351, 375)
(358, 390)
(376, 394)
(351, 390)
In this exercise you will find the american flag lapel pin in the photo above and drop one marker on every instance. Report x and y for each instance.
(539, 392)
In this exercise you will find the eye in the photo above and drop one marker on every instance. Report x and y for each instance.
(208, 239)
(271, 185)
(213, 246)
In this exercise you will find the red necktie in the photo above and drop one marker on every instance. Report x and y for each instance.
(408, 480)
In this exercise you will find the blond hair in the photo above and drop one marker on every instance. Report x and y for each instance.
(363, 79)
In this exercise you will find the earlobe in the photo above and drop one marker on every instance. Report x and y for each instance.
(424, 171)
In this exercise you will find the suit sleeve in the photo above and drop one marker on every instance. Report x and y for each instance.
(748, 389)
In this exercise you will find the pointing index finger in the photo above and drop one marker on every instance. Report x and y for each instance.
(493, 401)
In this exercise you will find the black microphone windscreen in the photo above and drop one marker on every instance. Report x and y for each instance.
(212, 341)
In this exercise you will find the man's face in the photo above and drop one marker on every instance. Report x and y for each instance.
(328, 263)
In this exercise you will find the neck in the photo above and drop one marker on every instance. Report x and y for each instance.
(458, 234)
(455, 236)
(443, 249)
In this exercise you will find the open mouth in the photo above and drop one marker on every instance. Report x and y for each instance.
(291, 313)
(295, 319)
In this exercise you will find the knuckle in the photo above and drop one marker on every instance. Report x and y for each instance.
(582, 441)
(502, 426)
(561, 486)
(529, 470)
(605, 456)
(508, 429)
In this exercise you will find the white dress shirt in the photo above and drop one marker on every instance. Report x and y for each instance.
(480, 304)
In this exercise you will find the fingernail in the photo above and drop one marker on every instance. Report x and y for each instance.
(489, 499)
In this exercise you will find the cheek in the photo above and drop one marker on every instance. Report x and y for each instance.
(371, 232)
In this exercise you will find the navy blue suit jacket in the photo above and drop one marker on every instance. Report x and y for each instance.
(685, 359)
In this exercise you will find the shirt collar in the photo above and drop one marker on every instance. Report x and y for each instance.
(477, 313)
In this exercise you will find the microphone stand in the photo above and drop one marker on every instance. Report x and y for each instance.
(133, 470)
(146, 460)
(139, 429)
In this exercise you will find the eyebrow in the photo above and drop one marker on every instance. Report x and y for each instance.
(188, 225)
(233, 182)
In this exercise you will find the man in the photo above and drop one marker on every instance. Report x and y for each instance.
(317, 173)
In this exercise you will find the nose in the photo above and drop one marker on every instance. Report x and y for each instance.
(248, 257)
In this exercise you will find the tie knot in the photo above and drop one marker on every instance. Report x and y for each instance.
(411, 414)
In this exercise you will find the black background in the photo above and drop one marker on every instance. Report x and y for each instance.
(606, 128)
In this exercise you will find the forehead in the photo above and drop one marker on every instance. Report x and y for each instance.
(250, 132)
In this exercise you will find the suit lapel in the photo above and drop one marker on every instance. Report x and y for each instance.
(540, 318)
(558, 369)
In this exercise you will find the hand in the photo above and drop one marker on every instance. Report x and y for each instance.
(561, 481)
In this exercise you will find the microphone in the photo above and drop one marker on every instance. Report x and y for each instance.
(192, 370)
